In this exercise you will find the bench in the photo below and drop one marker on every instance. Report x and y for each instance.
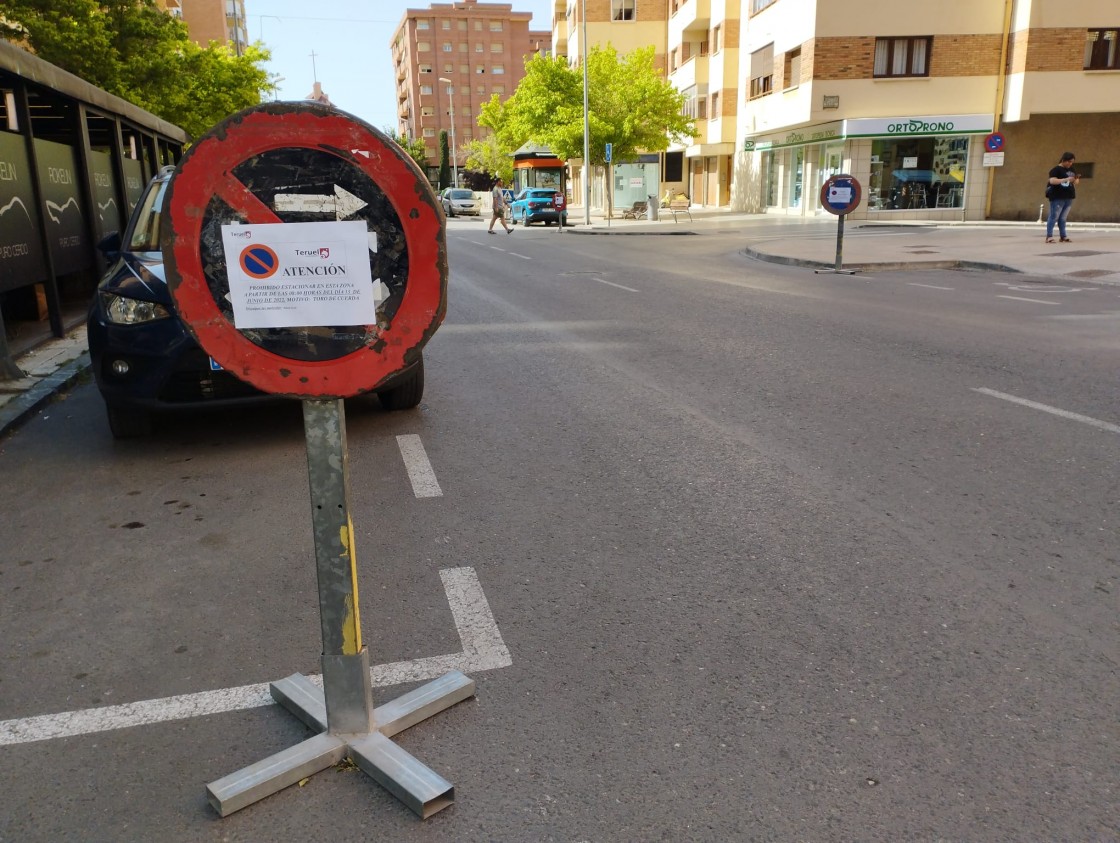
(680, 205)
(636, 212)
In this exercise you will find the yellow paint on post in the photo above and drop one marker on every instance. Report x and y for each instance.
(351, 624)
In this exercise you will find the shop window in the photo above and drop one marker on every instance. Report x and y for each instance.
(762, 72)
(770, 178)
(792, 69)
(796, 176)
(917, 173)
(1101, 49)
(674, 167)
(902, 56)
(622, 10)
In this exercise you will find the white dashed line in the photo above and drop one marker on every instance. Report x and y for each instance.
(929, 286)
(1065, 414)
(424, 483)
(1034, 301)
(523, 257)
(612, 284)
(483, 649)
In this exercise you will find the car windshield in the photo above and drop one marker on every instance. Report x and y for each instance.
(541, 194)
(145, 231)
(461, 194)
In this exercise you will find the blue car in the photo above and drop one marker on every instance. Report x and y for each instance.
(536, 204)
(144, 359)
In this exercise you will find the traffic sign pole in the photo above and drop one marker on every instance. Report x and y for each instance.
(228, 190)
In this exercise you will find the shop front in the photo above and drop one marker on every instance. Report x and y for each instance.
(926, 167)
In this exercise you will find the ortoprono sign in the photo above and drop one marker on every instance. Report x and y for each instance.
(305, 251)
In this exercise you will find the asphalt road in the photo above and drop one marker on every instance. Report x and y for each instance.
(767, 563)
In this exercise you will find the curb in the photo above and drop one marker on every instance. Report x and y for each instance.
(885, 266)
(610, 233)
(21, 407)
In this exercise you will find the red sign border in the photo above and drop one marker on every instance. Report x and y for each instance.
(857, 189)
(207, 169)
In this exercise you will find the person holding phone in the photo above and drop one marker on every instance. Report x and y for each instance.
(1061, 190)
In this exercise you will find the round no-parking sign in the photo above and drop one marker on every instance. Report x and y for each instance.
(840, 194)
(305, 251)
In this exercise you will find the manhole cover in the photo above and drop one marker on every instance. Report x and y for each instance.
(1090, 273)
(1077, 253)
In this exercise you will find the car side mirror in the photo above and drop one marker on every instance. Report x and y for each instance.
(110, 245)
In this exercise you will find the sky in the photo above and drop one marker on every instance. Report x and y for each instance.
(350, 40)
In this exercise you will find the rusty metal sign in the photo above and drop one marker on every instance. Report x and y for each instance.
(299, 162)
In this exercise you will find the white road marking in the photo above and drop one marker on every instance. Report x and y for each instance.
(1065, 414)
(612, 284)
(1035, 301)
(930, 286)
(523, 257)
(483, 649)
(424, 483)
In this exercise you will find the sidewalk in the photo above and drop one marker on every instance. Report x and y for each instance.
(1093, 256)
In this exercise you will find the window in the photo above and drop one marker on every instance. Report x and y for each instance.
(498, 69)
(447, 46)
(902, 56)
(479, 48)
(480, 70)
(422, 24)
(481, 89)
(762, 72)
(758, 5)
(462, 27)
(478, 26)
(497, 47)
(446, 24)
(1101, 52)
(500, 90)
(425, 89)
(464, 68)
(792, 76)
(427, 111)
(715, 107)
(622, 10)
(462, 46)
(423, 47)
(495, 26)
(673, 60)
(425, 68)
(716, 38)
(429, 133)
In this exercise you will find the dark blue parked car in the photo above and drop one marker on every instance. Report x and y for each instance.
(536, 204)
(144, 359)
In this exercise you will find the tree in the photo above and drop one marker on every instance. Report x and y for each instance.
(413, 147)
(444, 161)
(136, 51)
(629, 105)
(487, 155)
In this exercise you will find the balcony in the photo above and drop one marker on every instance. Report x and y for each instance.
(691, 15)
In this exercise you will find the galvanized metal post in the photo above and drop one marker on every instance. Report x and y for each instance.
(346, 685)
(840, 243)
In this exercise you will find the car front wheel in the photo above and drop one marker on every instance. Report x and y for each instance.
(406, 394)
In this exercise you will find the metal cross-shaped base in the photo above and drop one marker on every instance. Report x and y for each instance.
(420, 788)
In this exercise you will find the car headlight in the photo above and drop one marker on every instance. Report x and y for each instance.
(126, 311)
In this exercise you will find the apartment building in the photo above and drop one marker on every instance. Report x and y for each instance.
(451, 58)
(704, 37)
(905, 97)
(212, 20)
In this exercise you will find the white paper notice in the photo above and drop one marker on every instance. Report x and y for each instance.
(839, 195)
(300, 274)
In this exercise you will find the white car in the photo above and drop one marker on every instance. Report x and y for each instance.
(458, 200)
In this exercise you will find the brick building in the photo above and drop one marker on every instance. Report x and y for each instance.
(479, 48)
(903, 96)
(212, 20)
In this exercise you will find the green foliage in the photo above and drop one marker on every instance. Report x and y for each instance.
(629, 105)
(413, 147)
(444, 161)
(135, 50)
(487, 155)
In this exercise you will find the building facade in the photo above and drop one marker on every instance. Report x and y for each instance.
(213, 20)
(908, 100)
(451, 58)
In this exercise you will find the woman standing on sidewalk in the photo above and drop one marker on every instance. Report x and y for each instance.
(1061, 190)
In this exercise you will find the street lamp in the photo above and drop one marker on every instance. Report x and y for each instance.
(454, 148)
(586, 129)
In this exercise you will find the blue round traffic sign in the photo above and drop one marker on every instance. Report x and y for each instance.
(994, 142)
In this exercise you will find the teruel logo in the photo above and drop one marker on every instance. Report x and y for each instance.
(323, 252)
(244, 235)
